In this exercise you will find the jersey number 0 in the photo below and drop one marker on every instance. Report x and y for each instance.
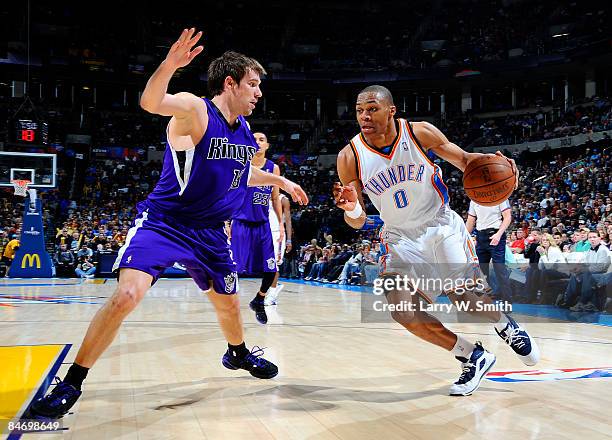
(401, 200)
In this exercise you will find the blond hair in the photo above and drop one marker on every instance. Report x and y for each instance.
(551, 240)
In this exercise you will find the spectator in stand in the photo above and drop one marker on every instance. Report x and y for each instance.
(85, 268)
(63, 237)
(308, 257)
(100, 239)
(585, 276)
(318, 268)
(583, 245)
(336, 264)
(85, 251)
(75, 244)
(518, 245)
(351, 267)
(532, 274)
(64, 262)
(369, 267)
(543, 220)
(605, 238)
(550, 263)
(8, 253)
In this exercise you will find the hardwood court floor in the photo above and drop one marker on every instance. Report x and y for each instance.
(339, 379)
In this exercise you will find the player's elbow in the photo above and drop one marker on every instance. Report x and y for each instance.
(147, 105)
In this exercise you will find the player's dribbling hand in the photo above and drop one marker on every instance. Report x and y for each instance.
(180, 53)
(513, 165)
(345, 196)
(295, 191)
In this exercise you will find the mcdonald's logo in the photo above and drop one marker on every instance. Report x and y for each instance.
(30, 258)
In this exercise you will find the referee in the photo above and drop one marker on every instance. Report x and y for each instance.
(491, 223)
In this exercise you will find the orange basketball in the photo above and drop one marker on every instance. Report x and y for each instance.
(489, 180)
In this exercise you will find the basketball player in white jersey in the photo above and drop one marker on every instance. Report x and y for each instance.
(282, 243)
(388, 161)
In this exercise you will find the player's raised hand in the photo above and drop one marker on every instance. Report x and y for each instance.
(345, 196)
(181, 52)
(295, 191)
(513, 164)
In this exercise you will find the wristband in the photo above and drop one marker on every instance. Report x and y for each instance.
(355, 213)
(288, 241)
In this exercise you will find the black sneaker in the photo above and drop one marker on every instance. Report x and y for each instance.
(260, 310)
(58, 402)
(252, 362)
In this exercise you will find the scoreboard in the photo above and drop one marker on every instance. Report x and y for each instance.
(31, 132)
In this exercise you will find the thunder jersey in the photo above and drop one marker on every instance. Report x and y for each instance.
(205, 185)
(404, 185)
(274, 224)
(257, 200)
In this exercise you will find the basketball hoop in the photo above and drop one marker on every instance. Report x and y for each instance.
(21, 187)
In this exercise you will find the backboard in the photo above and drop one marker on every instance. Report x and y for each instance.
(39, 169)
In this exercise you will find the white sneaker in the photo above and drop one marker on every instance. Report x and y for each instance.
(474, 370)
(272, 295)
(519, 340)
(274, 317)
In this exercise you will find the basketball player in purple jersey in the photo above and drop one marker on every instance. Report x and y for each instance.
(204, 178)
(252, 244)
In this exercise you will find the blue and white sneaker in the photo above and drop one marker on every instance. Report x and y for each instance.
(519, 340)
(474, 370)
(58, 402)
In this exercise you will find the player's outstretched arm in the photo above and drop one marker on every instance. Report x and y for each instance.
(347, 193)
(259, 177)
(155, 98)
(431, 138)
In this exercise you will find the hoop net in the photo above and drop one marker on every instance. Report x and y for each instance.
(21, 187)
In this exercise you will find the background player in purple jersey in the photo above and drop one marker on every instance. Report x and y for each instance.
(203, 180)
(252, 244)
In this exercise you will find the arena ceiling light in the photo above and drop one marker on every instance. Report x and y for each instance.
(560, 35)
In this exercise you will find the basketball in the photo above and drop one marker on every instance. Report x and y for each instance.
(489, 180)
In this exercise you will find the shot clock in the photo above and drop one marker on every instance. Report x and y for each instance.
(31, 132)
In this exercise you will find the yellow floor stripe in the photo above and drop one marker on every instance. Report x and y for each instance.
(23, 370)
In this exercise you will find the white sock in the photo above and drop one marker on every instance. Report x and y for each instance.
(462, 348)
(502, 323)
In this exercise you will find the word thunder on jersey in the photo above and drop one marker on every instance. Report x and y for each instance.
(404, 185)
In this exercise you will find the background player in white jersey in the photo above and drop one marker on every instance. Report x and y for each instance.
(422, 235)
(282, 244)
(252, 242)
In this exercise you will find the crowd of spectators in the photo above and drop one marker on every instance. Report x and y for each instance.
(470, 131)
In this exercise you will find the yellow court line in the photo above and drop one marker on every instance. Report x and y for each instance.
(24, 368)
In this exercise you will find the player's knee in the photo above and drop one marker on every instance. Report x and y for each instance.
(126, 298)
(229, 306)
